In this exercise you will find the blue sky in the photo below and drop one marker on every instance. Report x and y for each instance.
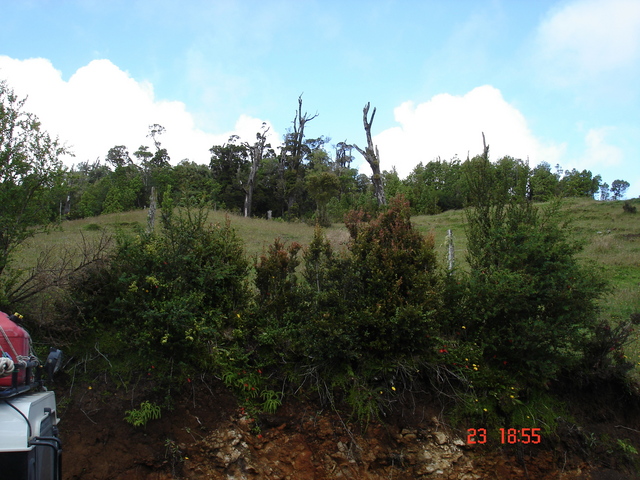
(553, 81)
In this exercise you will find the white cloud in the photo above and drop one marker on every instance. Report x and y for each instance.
(101, 106)
(598, 154)
(588, 37)
(448, 126)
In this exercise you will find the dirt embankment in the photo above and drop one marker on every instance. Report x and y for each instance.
(207, 436)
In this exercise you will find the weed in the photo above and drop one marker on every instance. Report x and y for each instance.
(173, 453)
(627, 448)
(272, 400)
(140, 417)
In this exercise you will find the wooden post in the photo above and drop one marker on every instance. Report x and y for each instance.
(451, 250)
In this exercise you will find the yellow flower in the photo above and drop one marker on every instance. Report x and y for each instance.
(464, 327)
(484, 409)
(393, 388)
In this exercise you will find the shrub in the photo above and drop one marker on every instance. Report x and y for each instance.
(275, 276)
(604, 352)
(628, 208)
(530, 304)
(173, 296)
(357, 316)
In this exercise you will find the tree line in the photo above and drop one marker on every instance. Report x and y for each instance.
(302, 178)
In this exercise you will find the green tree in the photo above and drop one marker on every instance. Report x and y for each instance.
(193, 181)
(435, 187)
(118, 156)
(126, 190)
(530, 303)
(229, 165)
(30, 167)
(86, 188)
(579, 184)
(543, 183)
(619, 188)
(322, 187)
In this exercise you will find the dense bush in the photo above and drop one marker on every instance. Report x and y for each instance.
(173, 296)
(526, 310)
(358, 315)
(628, 208)
(530, 302)
(363, 324)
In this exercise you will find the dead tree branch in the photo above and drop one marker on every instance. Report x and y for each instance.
(372, 155)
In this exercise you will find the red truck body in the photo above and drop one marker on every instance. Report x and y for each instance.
(19, 341)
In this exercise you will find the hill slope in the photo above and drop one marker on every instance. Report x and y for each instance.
(207, 435)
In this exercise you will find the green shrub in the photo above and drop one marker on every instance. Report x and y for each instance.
(528, 303)
(139, 417)
(275, 277)
(176, 296)
(356, 316)
(628, 208)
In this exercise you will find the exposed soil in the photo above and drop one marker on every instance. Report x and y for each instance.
(207, 436)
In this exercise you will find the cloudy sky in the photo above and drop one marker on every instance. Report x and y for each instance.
(553, 81)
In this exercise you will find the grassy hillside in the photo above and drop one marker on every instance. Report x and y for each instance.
(611, 237)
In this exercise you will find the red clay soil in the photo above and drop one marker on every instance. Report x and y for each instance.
(207, 436)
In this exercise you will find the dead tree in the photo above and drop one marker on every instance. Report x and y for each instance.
(485, 148)
(256, 152)
(372, 156)
(291, 158)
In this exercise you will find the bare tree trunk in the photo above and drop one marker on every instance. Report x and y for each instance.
(153, 204)
(256, 153)
(372, 156)
(485, 148)
(248, 196)
(451, 256)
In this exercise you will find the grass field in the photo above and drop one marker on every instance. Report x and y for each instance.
(611, 237)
